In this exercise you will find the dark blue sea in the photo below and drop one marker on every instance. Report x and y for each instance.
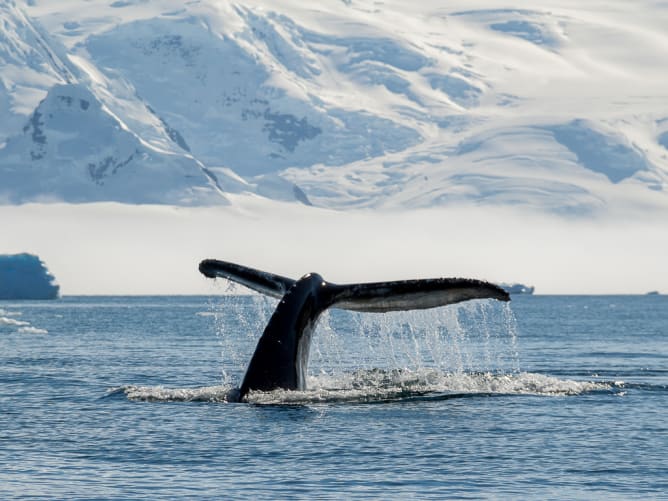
(552, 397)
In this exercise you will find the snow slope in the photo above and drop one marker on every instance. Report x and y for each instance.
(559, 108)
(73, 150)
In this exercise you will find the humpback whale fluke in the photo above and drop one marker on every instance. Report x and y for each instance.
(281, 355)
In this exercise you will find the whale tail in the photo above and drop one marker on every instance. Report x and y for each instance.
(366, 297)
(260, 281)
(281, 355)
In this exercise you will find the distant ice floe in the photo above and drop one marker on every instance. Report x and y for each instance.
(517, 288)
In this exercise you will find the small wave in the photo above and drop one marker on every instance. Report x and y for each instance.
(13, 322)
(206, 314)
(5, 313)
(625, 385)
(32, 330)
(22, 326)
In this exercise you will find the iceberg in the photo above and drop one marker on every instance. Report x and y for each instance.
(25, 276)
(517, 288)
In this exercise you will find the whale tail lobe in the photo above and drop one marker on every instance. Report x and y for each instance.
(366, 297)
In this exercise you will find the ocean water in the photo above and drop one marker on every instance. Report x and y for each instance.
(561, 397)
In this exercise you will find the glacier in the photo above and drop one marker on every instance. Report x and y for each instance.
(347, 105)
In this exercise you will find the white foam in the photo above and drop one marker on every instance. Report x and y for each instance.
(12, 322)
(377, 385)
(162, 394)
(32, 330)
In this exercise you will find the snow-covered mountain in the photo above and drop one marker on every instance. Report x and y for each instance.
(560, 107)
(72, 149)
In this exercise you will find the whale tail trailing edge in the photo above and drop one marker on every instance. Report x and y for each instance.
(413, 294)
(365, 297)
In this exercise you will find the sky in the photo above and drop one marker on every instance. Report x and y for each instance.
(109, 248)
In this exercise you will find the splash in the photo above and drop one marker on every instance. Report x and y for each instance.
(162, 394)
(376, 386)
(239, 322)
(455, 351)
(476, 336)
(368, 386)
